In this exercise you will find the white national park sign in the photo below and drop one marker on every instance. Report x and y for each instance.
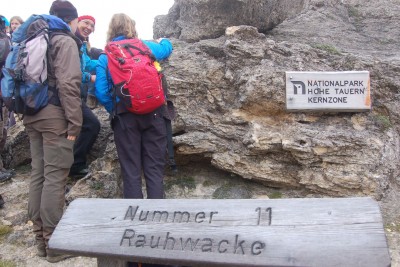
(347, 91)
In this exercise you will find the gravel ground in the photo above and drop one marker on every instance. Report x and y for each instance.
(17, 247)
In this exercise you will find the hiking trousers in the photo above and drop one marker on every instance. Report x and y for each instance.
(141, 142)
(85, 141)
(52, 156)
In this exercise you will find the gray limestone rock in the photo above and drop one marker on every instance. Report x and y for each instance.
(204, 19)
(227, 81)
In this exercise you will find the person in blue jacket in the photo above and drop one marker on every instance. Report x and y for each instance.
(91, 124)
(141, 140)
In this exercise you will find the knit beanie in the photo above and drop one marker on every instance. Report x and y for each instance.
(64, 10)
(87, 17)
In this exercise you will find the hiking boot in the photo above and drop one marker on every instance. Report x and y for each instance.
(53, 257)
(41, 250)
(77, 174)
(6, 175)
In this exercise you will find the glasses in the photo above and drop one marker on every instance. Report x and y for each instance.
(88, 23)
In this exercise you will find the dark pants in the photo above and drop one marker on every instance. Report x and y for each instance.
(141, 142)
(87, 137)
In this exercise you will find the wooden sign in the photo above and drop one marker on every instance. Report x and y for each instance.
(285, 232)
(347, 91)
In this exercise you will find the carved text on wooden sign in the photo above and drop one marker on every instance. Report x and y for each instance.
(236, 244)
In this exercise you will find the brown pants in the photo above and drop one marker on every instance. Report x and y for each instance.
(52, 157)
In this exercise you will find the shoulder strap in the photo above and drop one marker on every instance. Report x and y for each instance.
(141, 51)
(53, 95)
(134, 47)
(170, 146)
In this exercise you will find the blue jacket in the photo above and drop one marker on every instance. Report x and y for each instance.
(103, 91)
(88, 67)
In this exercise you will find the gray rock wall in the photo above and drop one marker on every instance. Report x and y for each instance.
(230, 94)
(203, 19)
(227, 81)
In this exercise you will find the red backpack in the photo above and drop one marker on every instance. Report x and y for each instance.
(136, 80)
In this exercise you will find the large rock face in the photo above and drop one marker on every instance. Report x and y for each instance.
(203, 19)
(230, 95)
(229, 90)
(364, 28)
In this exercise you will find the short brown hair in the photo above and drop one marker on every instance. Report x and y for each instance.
(121, 24)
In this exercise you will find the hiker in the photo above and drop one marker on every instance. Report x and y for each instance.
(86, 26)
(4, 49)
(5, 42)
(140, 139)
(90, 125)
(15, 22)
(53, 130)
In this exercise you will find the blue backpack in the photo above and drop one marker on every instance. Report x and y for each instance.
(24, 86)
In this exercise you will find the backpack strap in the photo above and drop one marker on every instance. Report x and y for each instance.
(36, 33)
(170, 146)
(168, 117)
(145, 53)
(53, 92)
(113, 94)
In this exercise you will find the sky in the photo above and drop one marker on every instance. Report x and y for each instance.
(143, 12)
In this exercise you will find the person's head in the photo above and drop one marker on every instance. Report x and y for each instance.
(15, 22)
(86, 26)
(121, 24)
(65, 11)
(4, 24)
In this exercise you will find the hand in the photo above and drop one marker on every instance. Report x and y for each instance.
(71, 137)
(93, 78)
